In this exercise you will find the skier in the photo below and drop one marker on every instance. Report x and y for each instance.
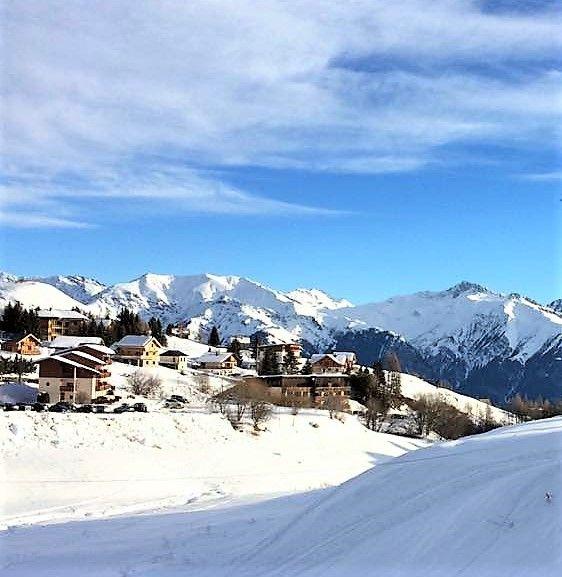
(548, 496)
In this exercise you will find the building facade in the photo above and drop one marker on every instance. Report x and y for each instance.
(26, 346)
(276, 355)
(55, 322)
(174, 359)
(138, 350)
(313, 388)
(76, 376)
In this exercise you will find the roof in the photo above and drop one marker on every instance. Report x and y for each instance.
(136, 341)
(60, 314)
(347, 354)
(318, 357)
(280, 345)
(19, 339)
(173, 353)
(100, 348)
(214, 357)
(68, 362)
(81, 354)
(66, 342)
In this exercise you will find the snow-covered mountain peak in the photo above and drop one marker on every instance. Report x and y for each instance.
(317, 299)
(81, 288)
(465, 287)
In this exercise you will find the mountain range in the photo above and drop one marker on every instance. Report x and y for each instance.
(482, 342)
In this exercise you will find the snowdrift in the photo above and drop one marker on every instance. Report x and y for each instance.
(474, 507)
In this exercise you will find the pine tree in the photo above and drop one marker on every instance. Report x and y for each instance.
(235, 347)
(214, 338)
(307, 368)
(290, 363)
(269, 364)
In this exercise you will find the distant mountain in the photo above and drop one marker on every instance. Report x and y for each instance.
(482, 342)
(556, 305)
(80, 288)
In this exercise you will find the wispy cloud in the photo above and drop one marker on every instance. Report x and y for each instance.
(544, 176)
(370, 86)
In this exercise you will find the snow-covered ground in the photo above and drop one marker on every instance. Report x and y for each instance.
(473, 508)
(77, 465)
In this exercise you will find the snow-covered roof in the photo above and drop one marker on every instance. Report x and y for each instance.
(136, 341)
(19, 339)
(60, 314)
(318, 357)
(82, 354)
(172, 353)
(68, 362)
(214, 358)
(348, 355)
(100, 348)
(66, 342)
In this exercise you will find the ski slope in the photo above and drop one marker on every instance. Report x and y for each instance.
(472, 508)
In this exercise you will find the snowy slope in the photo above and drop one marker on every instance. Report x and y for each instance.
(470, 508)
(34, 294)
(473, 507)
(79, 288)
(75, 465)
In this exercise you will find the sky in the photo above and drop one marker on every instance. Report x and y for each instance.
(368, 148)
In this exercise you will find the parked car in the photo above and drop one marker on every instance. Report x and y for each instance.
(10, 407)
(61, 407)
(23, 407)
(124, 408)
(140, 408)
(98, 409)
(43, 397)
(102, 399)
(84, 409)
(178, 398)
(40, 407)
(173, 404)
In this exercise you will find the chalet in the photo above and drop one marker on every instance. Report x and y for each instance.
(174, 359)
(139, 350)
(276, 354)
(69, 342)
(73, 376)
(215, 361)
(314, 388)
(333, 362)
(55, 322)
(27, 345)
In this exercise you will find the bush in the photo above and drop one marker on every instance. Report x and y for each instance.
(144, 384)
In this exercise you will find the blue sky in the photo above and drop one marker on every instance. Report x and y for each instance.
(369, 149)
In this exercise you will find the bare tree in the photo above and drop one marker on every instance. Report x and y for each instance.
(334, 404)
(144, 384)
(260, 411)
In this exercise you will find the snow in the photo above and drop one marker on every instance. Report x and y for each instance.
(64, 466)
(68, 342)
(457, 319)
(473, 507)
(413, 387)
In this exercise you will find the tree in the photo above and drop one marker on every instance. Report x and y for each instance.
(235, 347)
(144, 384)
(392, 362)
(269, 364)
(334, 404)
(169, 329)
(290, 363)
(214, 338)
(307, 368)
